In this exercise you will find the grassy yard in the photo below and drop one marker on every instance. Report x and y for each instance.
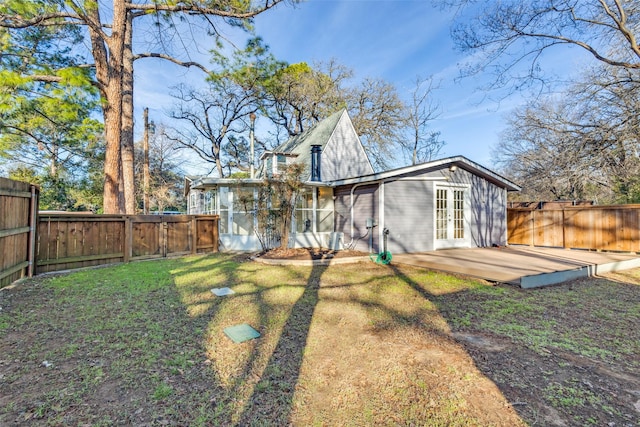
(359, 344)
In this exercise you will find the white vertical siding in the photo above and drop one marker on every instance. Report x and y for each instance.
(343, 156)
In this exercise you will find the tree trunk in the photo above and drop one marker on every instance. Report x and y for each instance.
(108, 56)
(112, 200)
(415, 146)
(216, 153)
(128, 176)
(54, 161)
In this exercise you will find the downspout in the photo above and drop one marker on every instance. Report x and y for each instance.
(381, 201)
(351, 208)
(381, 228)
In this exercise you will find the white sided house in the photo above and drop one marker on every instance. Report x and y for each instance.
(447, 203)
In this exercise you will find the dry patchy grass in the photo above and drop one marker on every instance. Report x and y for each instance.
(358, 344)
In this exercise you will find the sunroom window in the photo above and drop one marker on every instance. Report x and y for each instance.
(209, 202)
(324, 212)
(322, 221)
(304, 211)
(224, 210)
(282, 163)
(243, 206)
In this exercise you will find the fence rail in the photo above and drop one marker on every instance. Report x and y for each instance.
(67, 241)
(18, 213)
(609, 228)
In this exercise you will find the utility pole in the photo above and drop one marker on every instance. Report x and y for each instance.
(145, 168)
(252, 117)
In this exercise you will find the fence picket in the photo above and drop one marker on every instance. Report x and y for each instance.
(107, 239)
(17, 229)
(577, 227)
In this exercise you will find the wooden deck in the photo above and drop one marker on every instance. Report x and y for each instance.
(528, 267)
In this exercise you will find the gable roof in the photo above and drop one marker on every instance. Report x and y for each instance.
(457, 161)
(318, 134)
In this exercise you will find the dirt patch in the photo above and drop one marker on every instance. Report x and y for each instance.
(301, 254)
(563, 356)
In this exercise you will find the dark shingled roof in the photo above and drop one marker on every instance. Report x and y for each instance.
(318, 134)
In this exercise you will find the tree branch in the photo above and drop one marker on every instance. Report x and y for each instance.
(193, 8)
(10, 21)
(585, 46)
(186, 64)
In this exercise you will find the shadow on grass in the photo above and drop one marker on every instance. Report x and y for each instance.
(561, 355)
(256, 382)
(437, 300)
(272, 398)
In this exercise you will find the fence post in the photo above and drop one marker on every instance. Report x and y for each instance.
(564, 230)
(533, 228)
(194, 235)
(163, 236)
(33, 231)
(128, 239)
(214, 231)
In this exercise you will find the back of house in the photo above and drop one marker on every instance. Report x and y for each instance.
(344, 203)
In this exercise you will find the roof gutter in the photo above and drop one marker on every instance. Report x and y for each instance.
(459, 161)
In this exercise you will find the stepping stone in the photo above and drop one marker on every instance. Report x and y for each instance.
(241, 333)
(222, 291)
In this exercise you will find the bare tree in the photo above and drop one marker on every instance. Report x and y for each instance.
(300, 95)
(422, 143)
(294, 98)
(512, 36)
(219, 115)
(583, 144)
(608, 99)
(214, 114)
(378, 116)
(165, 189)
(539, 148)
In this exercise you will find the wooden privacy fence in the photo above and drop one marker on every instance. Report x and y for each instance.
(18, 213)
(608, 228)
(67, 240)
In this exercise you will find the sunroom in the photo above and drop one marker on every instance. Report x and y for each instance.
(240, 203)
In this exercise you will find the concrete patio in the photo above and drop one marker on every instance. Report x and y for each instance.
(528, 267)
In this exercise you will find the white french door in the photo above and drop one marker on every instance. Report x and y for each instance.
(451, 217)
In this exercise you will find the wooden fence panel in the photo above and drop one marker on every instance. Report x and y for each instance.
(68, 241)
(178, 232)
(520, 226)
(18, 213)
(206, 234)
(608, 228)
(146, 237)
(629, 235)
(548, 228)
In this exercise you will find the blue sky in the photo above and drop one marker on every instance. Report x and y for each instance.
(396, 40)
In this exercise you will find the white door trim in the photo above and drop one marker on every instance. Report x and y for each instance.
(449, 228)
